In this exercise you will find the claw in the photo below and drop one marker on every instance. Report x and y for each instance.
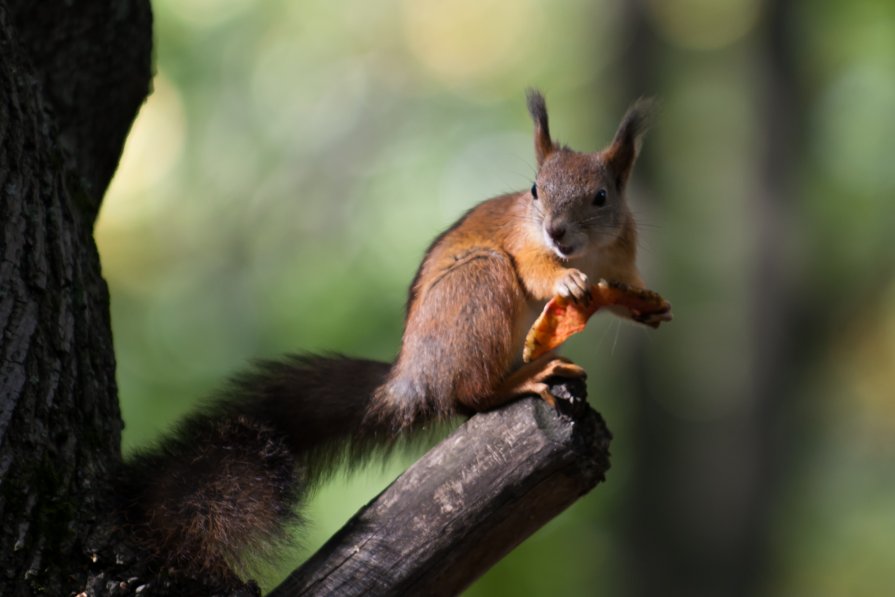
(575, 285)
(543, 391)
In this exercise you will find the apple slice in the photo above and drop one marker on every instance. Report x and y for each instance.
(563, 317)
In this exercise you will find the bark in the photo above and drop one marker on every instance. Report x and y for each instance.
(72, 77)
(94, 62)
(463, 506)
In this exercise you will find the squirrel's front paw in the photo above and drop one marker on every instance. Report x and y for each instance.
(644, 306)
(573, 284)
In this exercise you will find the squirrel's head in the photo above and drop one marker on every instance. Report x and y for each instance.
(578, 198)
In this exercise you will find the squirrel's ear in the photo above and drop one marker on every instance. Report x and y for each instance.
(538, 110)
(620, 156)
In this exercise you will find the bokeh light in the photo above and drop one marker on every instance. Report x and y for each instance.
(704, 24)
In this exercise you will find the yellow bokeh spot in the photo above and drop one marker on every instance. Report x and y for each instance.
(153, 148)
(136, 197)
(866, 351)
(467, 41)
(704, 24)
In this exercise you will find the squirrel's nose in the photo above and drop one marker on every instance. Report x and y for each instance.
(556, 231)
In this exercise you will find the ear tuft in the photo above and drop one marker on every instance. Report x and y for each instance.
(537, 107)
(625, 147)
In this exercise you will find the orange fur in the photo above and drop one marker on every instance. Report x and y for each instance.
(483, 281)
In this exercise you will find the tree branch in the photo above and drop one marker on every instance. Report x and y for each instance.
(464, 505)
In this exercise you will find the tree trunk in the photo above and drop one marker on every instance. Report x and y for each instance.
(699, 522)
(73, 76)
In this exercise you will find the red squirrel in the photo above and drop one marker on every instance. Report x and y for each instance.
(228, 481)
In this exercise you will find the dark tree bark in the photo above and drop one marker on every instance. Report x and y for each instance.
(72, 75)
(464, 505)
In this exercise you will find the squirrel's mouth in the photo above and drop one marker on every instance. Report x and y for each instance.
(563, 248)
(563, 251)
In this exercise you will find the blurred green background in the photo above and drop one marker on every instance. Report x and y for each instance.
(296, 157)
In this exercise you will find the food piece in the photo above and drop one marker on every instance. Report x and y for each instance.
(562, 317)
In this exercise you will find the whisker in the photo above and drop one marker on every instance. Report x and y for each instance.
(618, 327)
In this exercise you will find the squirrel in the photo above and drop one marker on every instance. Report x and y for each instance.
(228, 481)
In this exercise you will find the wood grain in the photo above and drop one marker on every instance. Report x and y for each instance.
(464, 505)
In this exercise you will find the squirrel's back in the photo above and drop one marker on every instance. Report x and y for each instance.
(462, 332)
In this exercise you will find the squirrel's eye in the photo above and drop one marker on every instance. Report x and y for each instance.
(600, 198)
(534, 190)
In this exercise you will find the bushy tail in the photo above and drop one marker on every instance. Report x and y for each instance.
(227, 482)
